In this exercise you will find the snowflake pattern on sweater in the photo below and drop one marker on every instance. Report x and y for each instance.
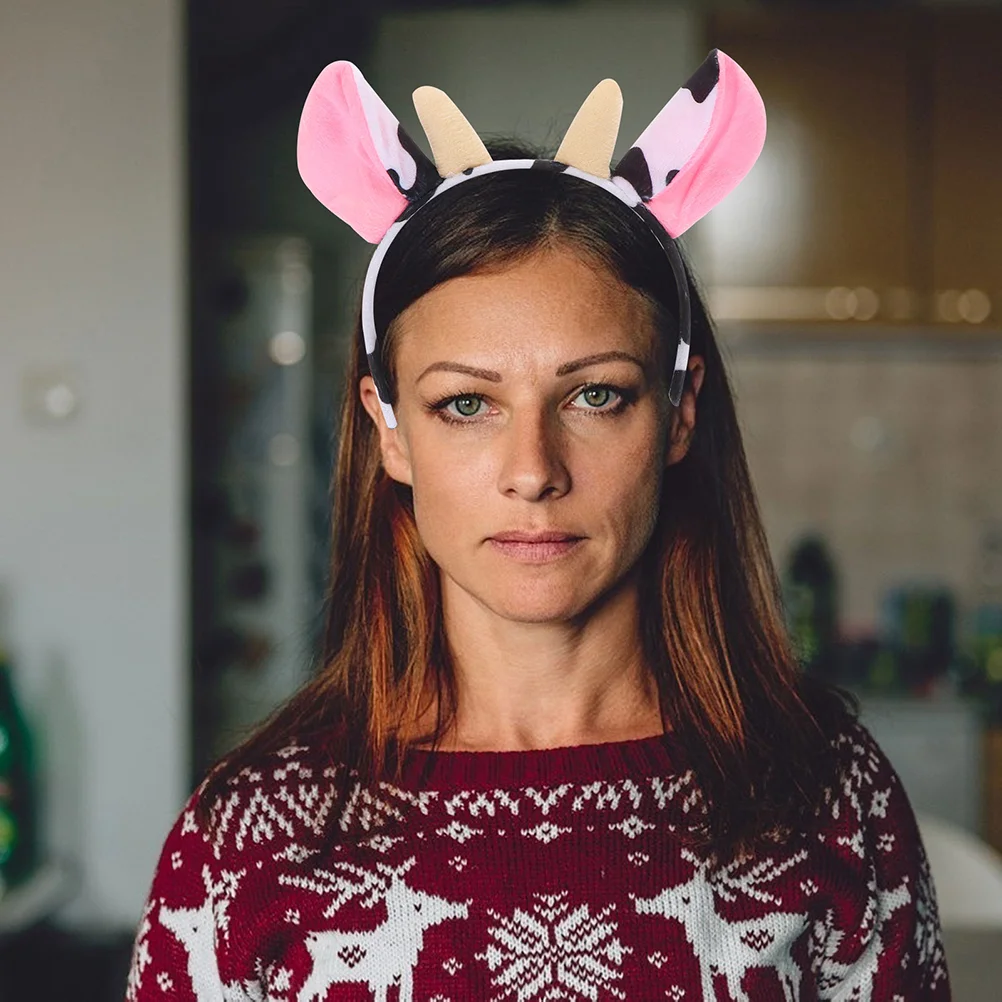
(534, 876)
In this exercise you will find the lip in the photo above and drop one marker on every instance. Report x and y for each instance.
(517, 536)
(536, 552)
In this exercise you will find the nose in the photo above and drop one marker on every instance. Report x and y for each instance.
(534, 459)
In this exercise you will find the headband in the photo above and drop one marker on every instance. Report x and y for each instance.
(360, 163)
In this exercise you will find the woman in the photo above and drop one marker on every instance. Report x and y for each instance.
(582, 768)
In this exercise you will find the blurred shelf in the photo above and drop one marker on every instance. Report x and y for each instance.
(27, 904)
(853, 340)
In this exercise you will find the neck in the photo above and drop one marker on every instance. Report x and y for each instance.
(524, 686)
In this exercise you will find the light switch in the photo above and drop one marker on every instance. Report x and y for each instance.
(50, 394)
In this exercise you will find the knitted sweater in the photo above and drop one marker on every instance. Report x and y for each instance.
(534, 876)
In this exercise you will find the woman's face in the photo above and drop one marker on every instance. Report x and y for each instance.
(524, 446)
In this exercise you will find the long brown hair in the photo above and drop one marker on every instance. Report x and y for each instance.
(757, 731)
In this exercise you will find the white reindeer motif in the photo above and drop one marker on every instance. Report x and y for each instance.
(731, 948)
(385, 955)
(193, 927)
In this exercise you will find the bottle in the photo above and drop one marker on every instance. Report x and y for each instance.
(17, 805)
(810, 589)
(984, 634)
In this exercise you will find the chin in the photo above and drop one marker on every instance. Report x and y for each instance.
(540, 601)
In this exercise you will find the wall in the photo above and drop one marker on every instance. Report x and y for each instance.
(92, 523)
(894, 455)
(524, 70)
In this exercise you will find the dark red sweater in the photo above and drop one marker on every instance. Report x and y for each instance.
(534, 876)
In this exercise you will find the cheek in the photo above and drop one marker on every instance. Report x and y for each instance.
(447, 490)
(445, 474)
(632, 491)
(636, 499)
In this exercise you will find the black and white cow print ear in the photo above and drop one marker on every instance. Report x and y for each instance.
(354, 155)
(700, 145)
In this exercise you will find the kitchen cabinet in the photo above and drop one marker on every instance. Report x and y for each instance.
(827, 203)
(966, 197)
(875, 200)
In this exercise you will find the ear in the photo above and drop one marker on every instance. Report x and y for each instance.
(682, 421)
(355, 157)
(700, 145)
(392, 446)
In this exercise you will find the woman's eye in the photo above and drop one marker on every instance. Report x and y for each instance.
(596, 397)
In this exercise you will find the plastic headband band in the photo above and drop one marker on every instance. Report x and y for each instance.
(625, 194)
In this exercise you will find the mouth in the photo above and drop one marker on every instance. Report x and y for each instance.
(536, 550)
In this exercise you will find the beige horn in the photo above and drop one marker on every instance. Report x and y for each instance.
(455, 144)
(590, 139)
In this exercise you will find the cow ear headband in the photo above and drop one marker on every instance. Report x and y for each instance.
(358, 161)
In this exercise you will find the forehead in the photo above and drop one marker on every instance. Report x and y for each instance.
(543, 306)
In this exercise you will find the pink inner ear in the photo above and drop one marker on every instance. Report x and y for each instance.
(338, 158)
(728, 150)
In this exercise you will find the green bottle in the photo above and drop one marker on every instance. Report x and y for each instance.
(17, 807)
(810, 590)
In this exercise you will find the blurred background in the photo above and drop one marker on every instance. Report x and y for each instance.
(175, 309)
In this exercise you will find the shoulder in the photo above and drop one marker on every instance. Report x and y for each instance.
(875, 862)
(217, 866)
(877, 912)
(869, 789)
(281, 799)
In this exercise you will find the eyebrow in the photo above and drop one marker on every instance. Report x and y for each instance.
(567, 367)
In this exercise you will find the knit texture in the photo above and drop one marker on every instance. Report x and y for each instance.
(534, 876)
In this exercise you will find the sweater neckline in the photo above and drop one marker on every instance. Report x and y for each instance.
(635, 758)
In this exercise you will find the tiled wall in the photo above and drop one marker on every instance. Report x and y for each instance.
(897, 460)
